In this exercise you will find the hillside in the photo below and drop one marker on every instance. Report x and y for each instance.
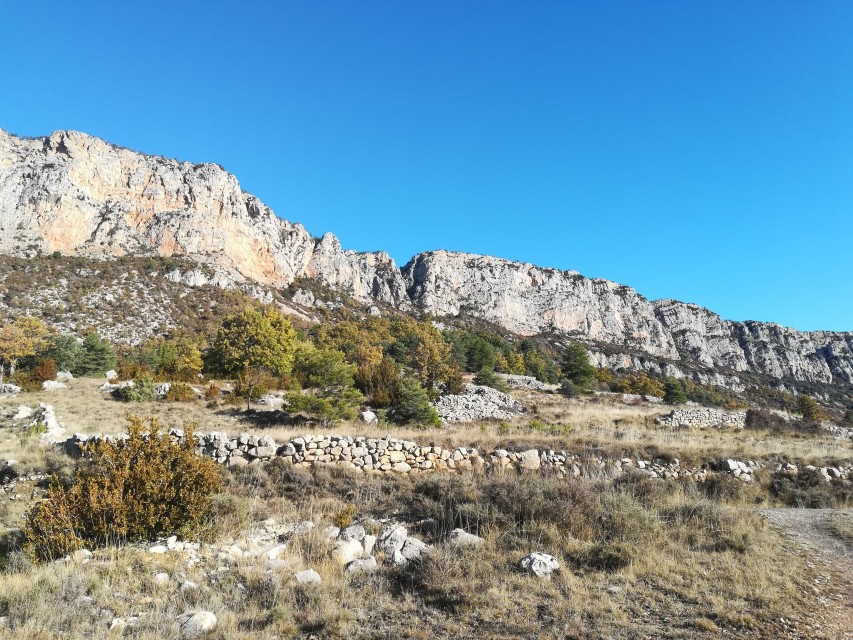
(80, 196)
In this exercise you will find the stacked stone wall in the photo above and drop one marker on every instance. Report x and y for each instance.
(704, 418)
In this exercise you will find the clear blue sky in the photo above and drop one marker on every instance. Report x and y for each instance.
(693, 150)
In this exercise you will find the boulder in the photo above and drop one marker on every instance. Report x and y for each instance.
(309, 576)
(345, 551)
(392, 538)
(529, 459)
(353, 532)
(192, 625)
(461, 538)
(362, 565)
(7, 389)
(413, 549)
(368, 416)
(52, 385)
(539, 564)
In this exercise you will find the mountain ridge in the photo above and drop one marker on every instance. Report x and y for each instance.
(80, 195)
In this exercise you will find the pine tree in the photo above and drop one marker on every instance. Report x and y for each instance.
(96, 357)
(577, 368)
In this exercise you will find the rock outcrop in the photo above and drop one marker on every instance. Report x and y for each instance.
(79, 195)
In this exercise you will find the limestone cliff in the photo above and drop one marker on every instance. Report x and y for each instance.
(76, 194)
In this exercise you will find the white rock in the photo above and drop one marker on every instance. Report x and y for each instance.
(193, 625)
(368, 542)
(346, 551)
(461, 538)
(368, 417)
(392, 538)
(158, 549)
(365, 564)
(161, 578)
(52, 385)
(353, 532)
(23, 413)
(309, 576)
(413, 549)
(539, 564)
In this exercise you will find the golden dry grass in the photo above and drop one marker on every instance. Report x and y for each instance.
(583, 423)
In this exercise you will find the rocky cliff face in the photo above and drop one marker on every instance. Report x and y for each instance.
(76, 194)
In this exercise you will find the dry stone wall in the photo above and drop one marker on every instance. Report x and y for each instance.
(390, 455)
(704, 418)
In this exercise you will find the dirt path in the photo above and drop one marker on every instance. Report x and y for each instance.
(831, 558)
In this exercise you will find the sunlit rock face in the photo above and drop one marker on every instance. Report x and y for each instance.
(79, 195)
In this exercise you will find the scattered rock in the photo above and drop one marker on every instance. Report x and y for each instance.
(461, 538)
(346, 551)
(539, 564)
(309, 576)
(368, 417)
(362, 565)
(392, 539)
(193, 625)
(478, 402)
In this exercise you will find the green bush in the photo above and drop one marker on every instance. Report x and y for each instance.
(674, 392)
(137, 489)
(577, 368)
(96, 357)
(411, 405)
(142, 390)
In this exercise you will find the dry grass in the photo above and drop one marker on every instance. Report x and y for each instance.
(576, 425)
(694, 567)
(639, 558)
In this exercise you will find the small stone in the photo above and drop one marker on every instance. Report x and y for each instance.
(161, 578)
(309, 576)
(158, 548)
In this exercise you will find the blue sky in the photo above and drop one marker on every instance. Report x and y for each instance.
(693, 150)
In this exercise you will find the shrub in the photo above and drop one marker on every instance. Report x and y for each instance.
(45, 369)
(674, 392)
(568, 389)
(411, 404)
(212, 392)
(253, 384)
(96, 357)
(487, 378)
(180, 392)
(809, 409)
(136, 489)
(142, 390)
(810, 490)
(576, 367)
